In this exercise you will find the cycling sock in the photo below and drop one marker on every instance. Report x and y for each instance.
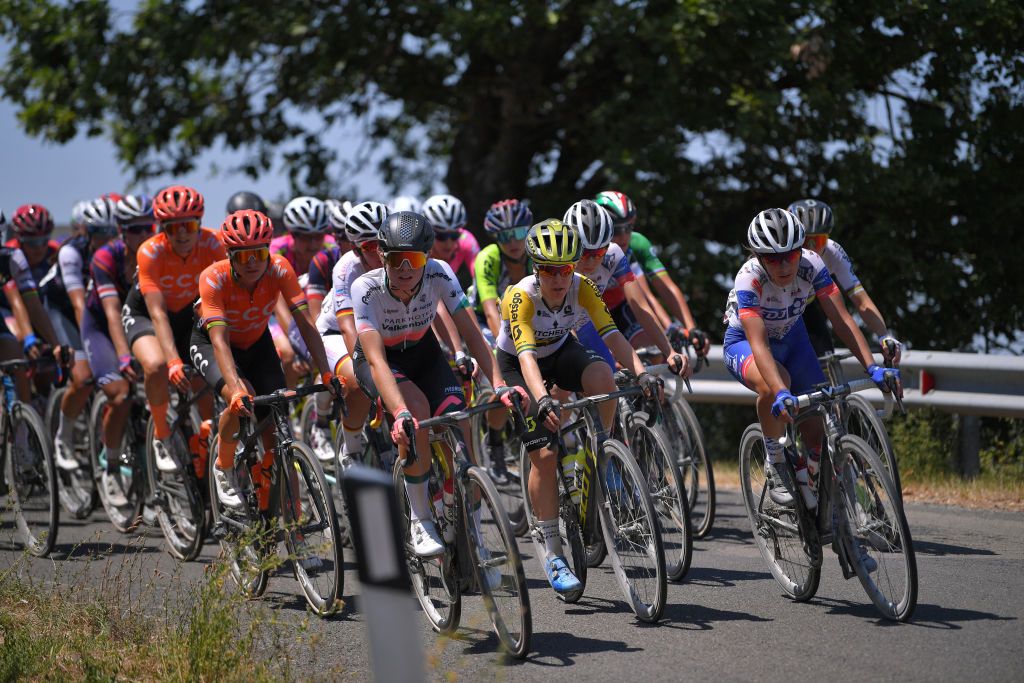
(774, 450)
(352, 439)
(323, 409)
(63, 433)
(495, 437)
(225, 454)
(419, 497)
(161, 430)
(552, 539)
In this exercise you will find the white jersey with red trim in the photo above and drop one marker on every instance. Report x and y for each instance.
(841, 268)
(403, 325)
(754, 294)
(338, 300)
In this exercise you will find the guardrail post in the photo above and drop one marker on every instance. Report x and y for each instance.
(970, 446)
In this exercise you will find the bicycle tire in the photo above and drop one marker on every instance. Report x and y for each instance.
(76, 489)
(862, 420)
(246, 562)
(431, 576)
(323, 596)
(791, 567)
(31, 479)
(667, 493)
(511, 617)
(630, 526)
(127, 517)
(568, 526)
(180, 512)
(872, 518)
(509, 494)
(694, 465)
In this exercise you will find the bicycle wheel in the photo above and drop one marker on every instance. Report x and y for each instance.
(510, 492)
(862, 420)
(244, 537)
(667, 493)
(631, 533)
(76, 489)
(687, 439)
(180, 511)
(119, 491)
(568, 527)
(434, 580)
(875, 531)
(776, 529)
(312, 537)
(32, 480)
(496, 562)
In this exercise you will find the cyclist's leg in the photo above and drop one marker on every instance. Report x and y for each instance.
(10, 349)
(805, 371)
(577, 368)
(78, 389)
(146, 348)
(285, 352)
(103, 361)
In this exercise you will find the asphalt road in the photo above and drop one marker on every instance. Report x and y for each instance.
(727, 620)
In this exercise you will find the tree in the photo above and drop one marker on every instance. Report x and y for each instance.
(905, 115)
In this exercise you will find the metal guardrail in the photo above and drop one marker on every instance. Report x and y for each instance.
(964, 383)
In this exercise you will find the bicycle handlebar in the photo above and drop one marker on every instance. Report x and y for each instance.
(519, 422)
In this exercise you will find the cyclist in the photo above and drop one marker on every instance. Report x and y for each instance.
(398, 359)
(318, 281)
(606, 265)
(647, 268)
(453, 244)
(243, 200)
(232, 346)
(766, 345)
(157, 314)
(77, 219)
(818, 222)
(405, 203)
(112, 269)
(31, 231)
(535, 345)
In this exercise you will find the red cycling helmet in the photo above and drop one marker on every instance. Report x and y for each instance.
(246, 229)
(177, 202)
(32, 220)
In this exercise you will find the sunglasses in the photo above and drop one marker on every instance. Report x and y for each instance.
(785, 257)
(396, 259)
(510, 235)
(621, 228)
(557, 271)
(815, 242)
(33, 241)
(191, 226)
(137, 229)
(308, 237)
(370, 246)
(446, 236)
(595, 253)
(250, 254)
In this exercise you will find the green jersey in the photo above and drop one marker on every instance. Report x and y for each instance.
(491, 277)
(643, 256)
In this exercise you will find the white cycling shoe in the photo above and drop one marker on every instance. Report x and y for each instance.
(426, 542)
(165, 461)
(63, 456)
(320, 442)
(227, 488)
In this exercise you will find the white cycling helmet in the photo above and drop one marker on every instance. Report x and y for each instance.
(445, 212)
(775, 231)
(336, 212)
(592, 221)
(305, 215)
(364, 222)
(133, 209)
(78, 213)
(99, 215)
(406, 203)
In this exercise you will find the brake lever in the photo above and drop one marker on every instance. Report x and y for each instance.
(411, 456)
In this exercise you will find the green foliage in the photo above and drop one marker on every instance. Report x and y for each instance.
(908, 117)
(925, 443)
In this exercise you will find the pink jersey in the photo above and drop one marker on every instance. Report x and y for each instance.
(285, 246)
(463, 261)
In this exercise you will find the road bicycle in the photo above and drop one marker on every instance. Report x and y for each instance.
(621, 501)
(289, 500)
(481, 552)
(505, 467)
(77, 487)
(29, 473)
(857, 510)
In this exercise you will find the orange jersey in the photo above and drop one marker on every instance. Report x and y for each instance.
(245, 313)
(162, 270)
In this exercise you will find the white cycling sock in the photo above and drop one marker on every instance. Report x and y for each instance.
(352, 440)
(552, 539)
(774, 450)
(64, 432)
(323, 408)
(419, 501)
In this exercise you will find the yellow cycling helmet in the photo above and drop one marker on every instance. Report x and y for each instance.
(553, 243)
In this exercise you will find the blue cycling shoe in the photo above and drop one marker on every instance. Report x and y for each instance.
(560, 576)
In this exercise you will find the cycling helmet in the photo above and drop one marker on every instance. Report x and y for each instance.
(814, 214)
(31, 220)
(134, 209)
(307, 215)
(620, 207)
(445, 212)
(99, 215)
(240, 201)
(78, 213)
(406, 231)
(406, 203)
(176, 203)
(593, 222)
(554, 243)
(506, 215)
(775, 231)
(365, 221)
(246, 229)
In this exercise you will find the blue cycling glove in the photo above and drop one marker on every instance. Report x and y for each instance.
(877, 373)
(779, 405)
(30, 341)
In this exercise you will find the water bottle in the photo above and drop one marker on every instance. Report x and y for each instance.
(572, 469)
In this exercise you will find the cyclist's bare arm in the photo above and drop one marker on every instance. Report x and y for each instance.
(446, 330)
(314, 342)
(40, 320)
(623, 352)
(112, 311)
(467, 326)
(659, 311)
(77, 297)
(373, 348)
(846, 329)
(872, 317)
(645, 316)
(157, 307)
(283, 314)
(315, 304)
(347, 325)
(19, 311)
(493, 316)
(674, 298)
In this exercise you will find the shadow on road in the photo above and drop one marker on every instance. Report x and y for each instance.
(97, 550)
(561, 648)
(739, 535)
(926, 616)
(712, 576)
(689, 617)
(942, 549)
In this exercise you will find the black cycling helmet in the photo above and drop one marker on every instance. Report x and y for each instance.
(815, 214)
(246, 201)
(406, 231)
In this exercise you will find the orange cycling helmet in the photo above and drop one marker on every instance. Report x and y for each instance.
(176, 203)
(246, 229)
